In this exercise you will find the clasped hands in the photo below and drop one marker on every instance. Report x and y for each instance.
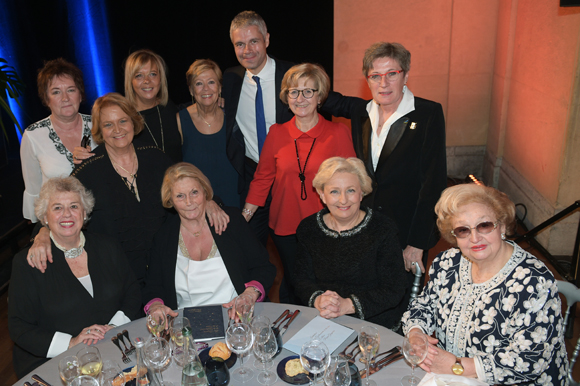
(332, 305)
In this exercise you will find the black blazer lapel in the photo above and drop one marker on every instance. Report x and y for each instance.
(393, 138)
(366, 133)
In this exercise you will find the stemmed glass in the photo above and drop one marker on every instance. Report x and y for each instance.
(314, 356)
(157, 355)
(369, 341)
(338, 372)
(156, 322)
(112, 375)
(239, 339)
(84, 380)
(415, 350)
(258, 323)
(176, 332)
(90, 361)
(69, 368)
(244, 307)
(265, 347)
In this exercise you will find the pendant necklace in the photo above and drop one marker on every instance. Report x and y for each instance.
(160, 125)
(303, 194)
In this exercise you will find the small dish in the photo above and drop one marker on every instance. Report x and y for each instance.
(204, 357)
(300, 379)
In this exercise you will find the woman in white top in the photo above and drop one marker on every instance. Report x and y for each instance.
(48, 145)
(190, 264)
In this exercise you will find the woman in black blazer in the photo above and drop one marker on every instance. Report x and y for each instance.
(401, 140)
(192, 265)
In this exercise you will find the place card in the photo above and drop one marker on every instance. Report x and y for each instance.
(327, 331)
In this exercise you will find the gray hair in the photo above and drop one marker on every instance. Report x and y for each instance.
(60, 185)
(334, 165)
(246, 19)
(394, 51)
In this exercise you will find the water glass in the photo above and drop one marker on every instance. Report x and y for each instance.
(157, 355)
(112, 375)
(84, 380)
(69, 368)
(338, 372)
(314, 356)
(217, 372)
(239, 339)
(265, 347)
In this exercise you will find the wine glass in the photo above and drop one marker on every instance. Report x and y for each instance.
(84, 380)
(156, 321)
(90, 361)
(338, 372)
(69, 368)
(112, 375)
(259, 323)
(314, 356)
(415, 351)
(244, 307)
(239, 339)
(157, 355)
(369, 341)
(265, 348)
(176, 333)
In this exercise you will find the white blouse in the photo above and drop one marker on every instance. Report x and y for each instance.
(44, 156)
(199, 283)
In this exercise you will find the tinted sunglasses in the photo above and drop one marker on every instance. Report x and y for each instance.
(483, 228)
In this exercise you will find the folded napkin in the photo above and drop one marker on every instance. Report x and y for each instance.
(432, 379)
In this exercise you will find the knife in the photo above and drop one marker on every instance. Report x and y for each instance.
(280, 318)
(294, 315)
(40, 380)
(381, 364)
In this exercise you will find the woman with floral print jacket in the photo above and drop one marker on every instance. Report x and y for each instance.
(494, 307)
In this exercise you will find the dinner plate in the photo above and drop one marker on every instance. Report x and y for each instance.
(204, 357)
(300, 379)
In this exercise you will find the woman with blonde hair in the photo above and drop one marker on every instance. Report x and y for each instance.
(349, 259)
(146, 89)
(494, 308)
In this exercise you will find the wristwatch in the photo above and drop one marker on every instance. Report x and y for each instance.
(457, 368)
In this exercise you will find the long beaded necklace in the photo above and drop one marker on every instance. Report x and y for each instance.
(70, 253)
(130, 185)
(161, 125)
(301, 175)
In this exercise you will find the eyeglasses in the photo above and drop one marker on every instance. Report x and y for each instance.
(483, 228)
(391, 76)
(307, 93)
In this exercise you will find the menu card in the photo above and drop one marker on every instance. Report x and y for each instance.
(327, 331)
(206, 322)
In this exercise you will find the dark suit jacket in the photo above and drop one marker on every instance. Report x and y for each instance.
(232, 87)
(412, 169)
(246, 259)
(44, 303)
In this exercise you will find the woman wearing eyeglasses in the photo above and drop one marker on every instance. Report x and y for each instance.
(290, 158)
(401, 140)
(494, 307)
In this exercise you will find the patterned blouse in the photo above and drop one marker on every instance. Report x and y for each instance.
(511, 324)
(44, 156)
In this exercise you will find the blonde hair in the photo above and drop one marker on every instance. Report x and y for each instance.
(180, 171)
(334, 165)
(199, 67)
(454, 197)
(62, 185)
(308, 71)
(134, 63)
(114, 99)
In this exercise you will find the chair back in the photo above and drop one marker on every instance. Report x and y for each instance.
(572, 295)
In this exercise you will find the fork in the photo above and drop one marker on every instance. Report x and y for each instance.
(120, 338)
(379, 365)
(125, 358)
(343, 352)
(132, 348)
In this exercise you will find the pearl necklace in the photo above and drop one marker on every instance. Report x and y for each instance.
(70, 253)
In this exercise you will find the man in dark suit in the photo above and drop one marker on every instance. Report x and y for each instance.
(250, 39)
(401, 140)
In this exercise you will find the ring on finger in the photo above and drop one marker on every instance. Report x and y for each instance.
(88, 331)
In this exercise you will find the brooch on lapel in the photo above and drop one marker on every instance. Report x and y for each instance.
(413, 125)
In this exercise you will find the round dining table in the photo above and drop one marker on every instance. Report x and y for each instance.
(389, 375)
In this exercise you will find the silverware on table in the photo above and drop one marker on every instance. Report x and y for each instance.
(282, 316)
(36, 378)
(294, 315)
(122, 340)
(125, 358)
(379, 365)
(132, 348)
(343, 352)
